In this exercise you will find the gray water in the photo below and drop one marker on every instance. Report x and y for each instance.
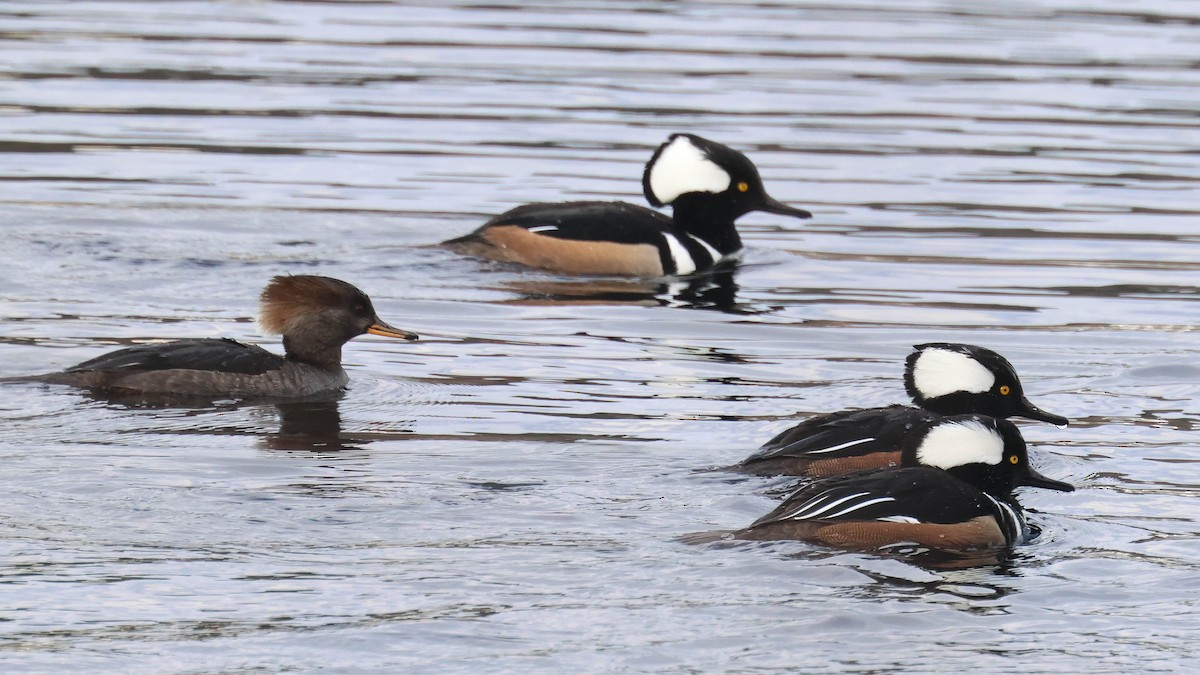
(505, 495)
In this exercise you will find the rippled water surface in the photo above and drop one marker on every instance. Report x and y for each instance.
(505, 495)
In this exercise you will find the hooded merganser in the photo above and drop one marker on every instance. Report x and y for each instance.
(708, 186)
(954, 493)
(316, 316)
(942, 378)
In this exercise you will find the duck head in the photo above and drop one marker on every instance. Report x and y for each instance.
(317, 315)
(951, 379)
(693, 172)
(986, 452)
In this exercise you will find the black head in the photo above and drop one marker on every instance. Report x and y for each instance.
(986, 452)
(699, 169)
(951, 379)
(317, 315)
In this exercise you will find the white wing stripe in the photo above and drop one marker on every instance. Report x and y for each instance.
(814, 507)
(839, 447)
(861, 505)
(812, 503)
(541, 228)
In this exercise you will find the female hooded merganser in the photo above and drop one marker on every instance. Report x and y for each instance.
(942, 378)
(954, 493)
(316, 316)
(708, 186)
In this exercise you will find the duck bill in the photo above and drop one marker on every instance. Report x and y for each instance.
(1031, 411)
(1035, 479)
(770, 205)
(385, 330)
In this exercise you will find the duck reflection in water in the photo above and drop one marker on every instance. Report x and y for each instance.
(312, 426)
(712, 291)
(316, 426)
(309, 425)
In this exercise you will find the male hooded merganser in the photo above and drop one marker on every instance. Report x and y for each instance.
(316, 316)
(708, 186)
(942, 378)
(954, 493)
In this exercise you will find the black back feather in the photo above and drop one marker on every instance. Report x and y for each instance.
(617, 222)
(202, 354)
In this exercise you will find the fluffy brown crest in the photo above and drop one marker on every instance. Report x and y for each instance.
(287, 297)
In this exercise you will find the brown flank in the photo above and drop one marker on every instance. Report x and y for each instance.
(981, 532)
(508, 243)
(840, 465)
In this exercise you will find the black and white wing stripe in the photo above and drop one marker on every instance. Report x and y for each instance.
(849, 433)
(903, 495)
(1010, 520)
(833, 504)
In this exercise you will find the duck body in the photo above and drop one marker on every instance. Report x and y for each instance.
(594, 238)
(316, 316)
(838, 443)
(942, 378)
(203, 367)
(953, 493)
(708, 185)
(904, 505)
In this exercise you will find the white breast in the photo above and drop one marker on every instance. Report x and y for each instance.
(679, 254)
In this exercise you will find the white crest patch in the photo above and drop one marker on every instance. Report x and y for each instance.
(679, 253)
(938, 372)
(681, 168)
(952, 444)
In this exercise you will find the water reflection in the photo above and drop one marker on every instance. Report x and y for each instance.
(1003, 562)
(968, 576)
(715, 290)
(314, 426)
(310, 425)
(1020, 176)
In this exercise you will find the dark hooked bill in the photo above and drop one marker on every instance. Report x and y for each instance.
(770, 205)
(1035, 479)
(1031, 411)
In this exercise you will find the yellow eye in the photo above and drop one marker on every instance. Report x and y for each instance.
(1013, 459)
(1004, 389)
(743, 187)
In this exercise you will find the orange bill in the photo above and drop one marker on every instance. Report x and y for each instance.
(382, 328)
